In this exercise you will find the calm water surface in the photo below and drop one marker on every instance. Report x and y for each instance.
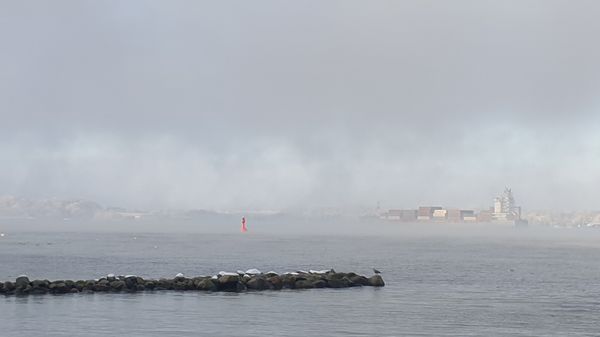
(436, 286)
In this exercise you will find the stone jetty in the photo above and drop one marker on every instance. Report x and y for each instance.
(251, 280)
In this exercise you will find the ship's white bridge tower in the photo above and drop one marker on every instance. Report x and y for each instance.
(505, 207)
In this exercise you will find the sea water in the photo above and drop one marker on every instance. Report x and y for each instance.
(436, 285)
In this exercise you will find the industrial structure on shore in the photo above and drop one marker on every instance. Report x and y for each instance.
(503, 211)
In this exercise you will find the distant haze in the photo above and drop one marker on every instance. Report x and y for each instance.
(271, 105)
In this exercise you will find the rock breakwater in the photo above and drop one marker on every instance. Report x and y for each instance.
(252, 280)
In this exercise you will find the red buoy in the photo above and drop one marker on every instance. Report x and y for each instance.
(244, 229)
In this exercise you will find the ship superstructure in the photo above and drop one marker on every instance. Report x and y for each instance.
(505, 208)
(503, 211)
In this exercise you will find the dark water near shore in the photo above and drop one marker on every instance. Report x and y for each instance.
(436, 286)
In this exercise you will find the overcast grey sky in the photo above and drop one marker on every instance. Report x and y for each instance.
(281, 104)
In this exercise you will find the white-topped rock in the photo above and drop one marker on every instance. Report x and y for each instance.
(253, 271)
(179, 275)
(22, 281)
(226, 273)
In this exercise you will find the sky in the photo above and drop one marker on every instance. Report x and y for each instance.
(278, 105)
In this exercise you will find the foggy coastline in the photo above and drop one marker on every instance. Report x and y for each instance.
(79, 215)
